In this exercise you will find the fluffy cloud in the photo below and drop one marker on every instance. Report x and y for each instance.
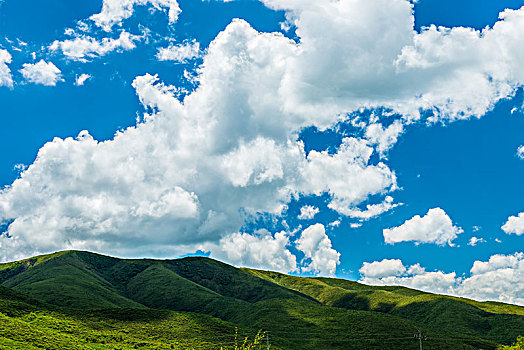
(456, 72)
(515, 224)
(434, 281)
(42, 72)
(5, 73)
(384, 268)
(376, 58)
(262, 250)
(272, 251)
(316, 246)
(253, 163)
(520, 152)
(189, 170)
(434, 227)
(507, 270)
(115, 11)
(475, 240)
(84, 46)
(179, 53)
(347, 175)
(384, 138)
(393, 272)
(308, 212)
(81, 79)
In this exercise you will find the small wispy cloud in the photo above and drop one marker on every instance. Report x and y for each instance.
(475, 240)
(81, 79)
(308, 212)
(179, 53)
(520, 152)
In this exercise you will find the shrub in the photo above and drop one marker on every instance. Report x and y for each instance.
(519, 345)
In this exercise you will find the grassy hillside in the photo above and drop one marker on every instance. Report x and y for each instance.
(199, 300)
(29, 324)
(497, 322)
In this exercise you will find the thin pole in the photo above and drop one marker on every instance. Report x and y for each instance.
(267, 340)
(420, 338)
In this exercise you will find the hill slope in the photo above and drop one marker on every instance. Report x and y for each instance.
(26, 323)
(299, 313)
(494, 321)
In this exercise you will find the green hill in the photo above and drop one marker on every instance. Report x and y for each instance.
(79, 299)
(494, 321)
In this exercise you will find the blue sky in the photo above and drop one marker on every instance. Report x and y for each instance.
(265, 150)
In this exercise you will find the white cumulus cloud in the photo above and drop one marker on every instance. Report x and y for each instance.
(5, 73)
(393, 272)
(347, 175)
(42, 72)
(221, 152)
(368, 53)
(384, 268)
(515, 224)
(262, 250)
(187, 172)
(507, 270)
(435, 227)
(115, 11)
(383, 137)
(316, 246)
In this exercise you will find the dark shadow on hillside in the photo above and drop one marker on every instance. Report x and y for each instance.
(353, 301)
(462, 318)
(119, 314)
(17, 269)
(385, 307)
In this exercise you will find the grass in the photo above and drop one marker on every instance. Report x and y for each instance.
(28, 325)
(89, 301)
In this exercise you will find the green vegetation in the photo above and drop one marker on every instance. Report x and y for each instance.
(497, 322)
(246, 344)
(83, 300)
(519, 345)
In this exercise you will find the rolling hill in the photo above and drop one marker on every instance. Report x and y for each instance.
(77, 299)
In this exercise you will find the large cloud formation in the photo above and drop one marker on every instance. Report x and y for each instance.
(191, 171)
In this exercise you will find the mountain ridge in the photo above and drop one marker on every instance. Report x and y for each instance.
(289, 307)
